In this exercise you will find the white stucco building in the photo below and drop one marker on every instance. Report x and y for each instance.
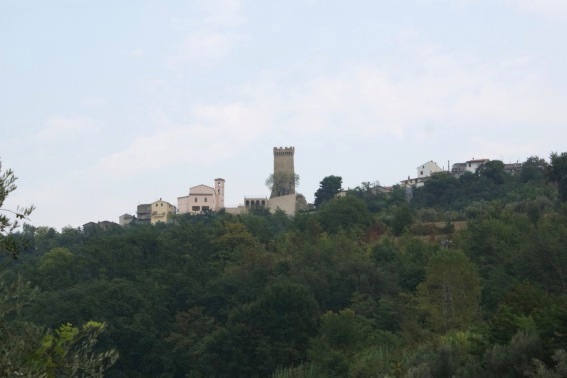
(472, 165)
(424, 171)
(468, 166)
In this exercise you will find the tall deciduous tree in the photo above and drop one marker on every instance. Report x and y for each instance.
(493, 170)
(282, 183)
(328, 188)
(439, 191)
(557, 173)
(345, 213)
(450, 293)
(340, 337)
(403, 219)
(533, 169)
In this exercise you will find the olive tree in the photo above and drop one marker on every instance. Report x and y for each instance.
(9, 219)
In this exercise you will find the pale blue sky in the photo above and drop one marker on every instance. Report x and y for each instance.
(108, 104)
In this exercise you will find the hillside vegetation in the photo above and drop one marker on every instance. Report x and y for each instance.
(468, 279)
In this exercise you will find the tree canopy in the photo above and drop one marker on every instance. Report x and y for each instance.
(329, 187)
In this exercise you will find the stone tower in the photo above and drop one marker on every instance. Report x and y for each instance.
(284, 172)
(219, 194)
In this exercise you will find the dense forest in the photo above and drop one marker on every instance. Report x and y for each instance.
(467, 278)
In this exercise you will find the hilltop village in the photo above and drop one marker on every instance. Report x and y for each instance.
(373, 284)
(203, 198)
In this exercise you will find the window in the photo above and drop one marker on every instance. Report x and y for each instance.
(205, 208)
(196, 208)
(195, 199)
(205, 199)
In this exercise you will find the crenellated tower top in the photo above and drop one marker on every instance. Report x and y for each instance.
(283, 159)
(284, 150)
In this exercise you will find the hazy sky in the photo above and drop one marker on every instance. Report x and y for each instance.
(108, 104)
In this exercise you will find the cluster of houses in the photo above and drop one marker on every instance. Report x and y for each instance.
(203, 198)
(430, 168)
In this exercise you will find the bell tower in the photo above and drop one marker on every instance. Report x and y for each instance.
(219, 194)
